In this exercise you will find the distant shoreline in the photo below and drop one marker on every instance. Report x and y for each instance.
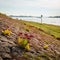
(47, 20)
(35, 16)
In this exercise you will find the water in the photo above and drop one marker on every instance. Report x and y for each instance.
(54, 21)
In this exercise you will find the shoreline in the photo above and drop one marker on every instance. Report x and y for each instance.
(38, 20)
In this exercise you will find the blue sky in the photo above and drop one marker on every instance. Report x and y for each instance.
(30, 7)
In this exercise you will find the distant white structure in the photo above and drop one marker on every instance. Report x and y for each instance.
(41, 18)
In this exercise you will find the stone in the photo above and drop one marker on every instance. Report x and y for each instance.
(1, 49)
(4, 49)
(6, 55)
(1, 58)
(15, 54)
(7, 49)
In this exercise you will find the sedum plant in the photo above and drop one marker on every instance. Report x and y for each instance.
(45, 46)
(27, 47)
(23, 43)
(19, 40)
(6, 32)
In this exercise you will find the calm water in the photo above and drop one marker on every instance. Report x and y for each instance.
(54, 21)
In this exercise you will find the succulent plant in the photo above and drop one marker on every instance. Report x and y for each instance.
(45, 46)
(6, 32)
(23, 43)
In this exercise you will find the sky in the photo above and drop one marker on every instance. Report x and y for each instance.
(30, 7)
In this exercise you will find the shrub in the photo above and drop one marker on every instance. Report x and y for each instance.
(6, 32)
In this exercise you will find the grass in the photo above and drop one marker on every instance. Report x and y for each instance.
(52, 30)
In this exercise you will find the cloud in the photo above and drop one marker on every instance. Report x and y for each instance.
(30, 6)
(40, 3)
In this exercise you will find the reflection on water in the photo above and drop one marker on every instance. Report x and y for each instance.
(55, 21)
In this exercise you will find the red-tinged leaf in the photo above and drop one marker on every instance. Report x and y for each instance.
(31, 35)
(20, 33)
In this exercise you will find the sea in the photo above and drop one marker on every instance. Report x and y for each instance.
(53, 21)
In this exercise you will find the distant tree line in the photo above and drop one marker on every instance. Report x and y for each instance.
(54, 16)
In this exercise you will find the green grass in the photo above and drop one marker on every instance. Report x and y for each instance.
(47, 28)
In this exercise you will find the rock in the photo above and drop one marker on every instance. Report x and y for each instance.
(14, 54)
(6, 55)
(6, 41)
(13, 59)
(1, 58)
(57, 52)
(32, 50)
(14, 49)
(4, 49)
(17, 50)
(7, 50)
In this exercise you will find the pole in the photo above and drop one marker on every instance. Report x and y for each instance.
(41, 18)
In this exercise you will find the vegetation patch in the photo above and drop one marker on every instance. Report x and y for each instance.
(6, 32)
(23, 43)
(49, 29)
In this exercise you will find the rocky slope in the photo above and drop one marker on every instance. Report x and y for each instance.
(10, 50)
